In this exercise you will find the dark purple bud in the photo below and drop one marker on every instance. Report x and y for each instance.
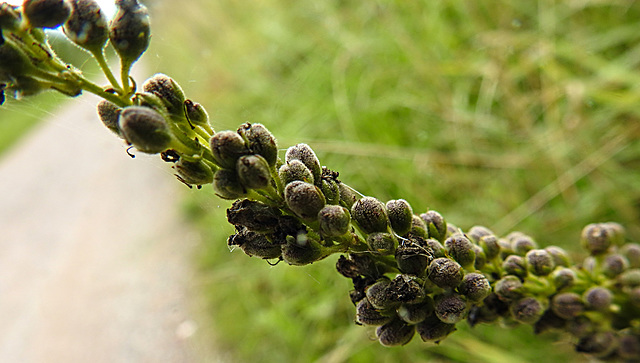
(540, 262)
(395, 332)
(367, 314)
(370, 215)
(527, 310)
(295, 170)
(260, 141)
(599, 344)
(416, 313)
(477, 232)
(475, 287)
(632, 252)
(445, 273)
(253, 171)
(146, 129)
(522, 244)
(195, 172)
(434, 330)
(461, 249)
(412, 258)
(46, 13)
(379, 296)
(168, 90)
(515, 265)
(305, 154)
(334, 220)
(400, 215)
(597, 238)
(227, 147)
(304, 199)
(598, 298)
(509, 288)
(567, 305)
(614, 264)
(227, 185)
(451, 308)
(109, 114)
(87, 26)
(256, 216)
(130, 30)
(490, 246)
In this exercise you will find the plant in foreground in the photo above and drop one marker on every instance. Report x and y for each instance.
(412, 272)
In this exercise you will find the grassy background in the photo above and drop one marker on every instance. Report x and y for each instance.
(509, 114)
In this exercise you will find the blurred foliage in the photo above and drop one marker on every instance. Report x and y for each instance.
(509, 114)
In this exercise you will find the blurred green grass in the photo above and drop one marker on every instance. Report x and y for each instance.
(509, 114)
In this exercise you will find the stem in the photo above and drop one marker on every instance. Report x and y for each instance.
(102, 62)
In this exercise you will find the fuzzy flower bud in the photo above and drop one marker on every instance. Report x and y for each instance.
(436, 225)
(334, 220)
(614, 264)
(433, 329)
(515, 265)
(508, 288)
(168, 90)
(260, 141)
(451, 308)
(145, 129)
(305, 154)
(632, 252)
(630, 278)
(461, 249)
(540, 262)
(253, 171)
(400, 215)
(227, 185)
(481, 258)
(598, 344)
(196, 113)
(559, 255)
(445, 273)
(475, 287)
(522, 244)
(477, 232)
(87, 26)
(598, 298)
(370, 214)
(527, 310)
(416, 313)
(367, 314)
(254, 244)
(295, 170)
(301, 250)
(394, 333)
(304, 199)
(227, 147)
(46, 13)
(596, 238)
(378, 294)
(194, 172)
(9, 17)
(436, 248)
(382, 242)
(330, 189)
(109, 114)
(563, 278)
(130, 30)
(418, 227)
(490, 246)
(412, 258)
(348, 196)
(567, 305)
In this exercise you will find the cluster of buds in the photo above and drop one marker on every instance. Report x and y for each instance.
(412, 273)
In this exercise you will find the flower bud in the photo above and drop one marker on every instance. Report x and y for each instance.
(253, 171)
(412, 258)
(301, 250)
(416, 313)
(617, 233)
(260, 141)
(330, 189)
(87, 26)
(348, 196)
(450, 308)
(305, 154)
(418, 227)
(254, 244)
(630, 278)
(522, 244)
(509, 288)
(382, 242)
(394, 333)
(481, 258)
(596, 238)
(295, 170)
(130, 30)
(632, 252)
(477, 232)
(109, 114)
(475, 287)
(168, 90)
(598, 298)
(548, 321)
(194, 172)
(196, 114)
(629, 348)
(563, 278)
(436, 225)
(506, 249)
(400, 215)
(515, 265)
(614, 264)
(434, 330)
(559, 255)
(256, 216)
(567, 305)
(367, 314)
(370, 214)
(461, 249)
(227, 147)
(445, 273)
(304, 199)
(378, 295)
(145, 129)
(527, 310)
(334, 220)
(227, 185)
(598, 344)
(9, 17)
(356, 265)
(436, 248)
(46, 13)
(540, 262)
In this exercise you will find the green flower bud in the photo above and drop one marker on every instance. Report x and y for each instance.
(145, 129)
(527, 310)
(596, 238)
(445, 273)
(334, 220)
(451, 308)
(304, 199)
(613, 265)
(256, 216)
(436, 248)
(348, 196)
(367, 314)
(330, 189)
(382, 242)
(506, 249)
(617, 233)
(436, 225)
(559, 255)
(515, 265)
(481, 258)
(301, 250)
(418, 227)
(412, 258)
(378, 295)
(168, 90)
(598, 298)
(394, 333)
(416, 313)
(295, 170)
(509, 288)
(227, 185)
(477, 232)
(370, 214)
(567, 305)
(253, 171)
(563, 278)
(46, 13)
(254, 244)
(540, 262)
(630, 278)
(130, 30)
(598, 344)
(109, 114)
(475, 287)
(196, 114)
(9, 17)
(194, 172)
(400, 215)
(260, 141)
(632, 252)
(434, 330)
(522, 244)
(305, 154)
(461, 249)
(87, 26)
(227, 147)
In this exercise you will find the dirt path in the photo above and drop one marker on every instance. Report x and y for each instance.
(94, 262)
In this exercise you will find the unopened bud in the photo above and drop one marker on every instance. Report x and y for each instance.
(260, 141)
(509, 288)
(109, 114)
(614, 264)
(436, 248)
(227, 185)
(295, 170)
(630, 278)
(412, 258)
(461, 249)
(130, 30)
(477, 232)
(194, 172)
(87, 26)
(451, 308)
(632, 252)
(540, 262)
(445, 273)
(304, 199)
(370, 214)
(481, 258)
(400, 215)
(418, 227)
(596, 238)
(367, 314)
(348, 196)
(305, 154)
(475, 287)
(629, 348)
(145, 129)
(436, 225)
(598, 344)
(196, 113)
(253, 171)
(168, 90)
(527, 310)
(563, 278)
(567, 305)
(334, 220)
(416, 313)
(559, 255)
(46, 13)
(301, 250)
(515, 265)
(406, 289)
(378, 295)
(227, 147)
(434, 330)
(395, 332)
(330, 189)
(382, 242)
(598, 298)
(255, 244)
(523, 244)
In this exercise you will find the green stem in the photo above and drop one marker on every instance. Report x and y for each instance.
(102, 62)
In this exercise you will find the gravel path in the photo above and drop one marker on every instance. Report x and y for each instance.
(94, 261)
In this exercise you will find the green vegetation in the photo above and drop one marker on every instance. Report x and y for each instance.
(510, 114)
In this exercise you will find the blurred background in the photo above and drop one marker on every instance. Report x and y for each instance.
(515, 115)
